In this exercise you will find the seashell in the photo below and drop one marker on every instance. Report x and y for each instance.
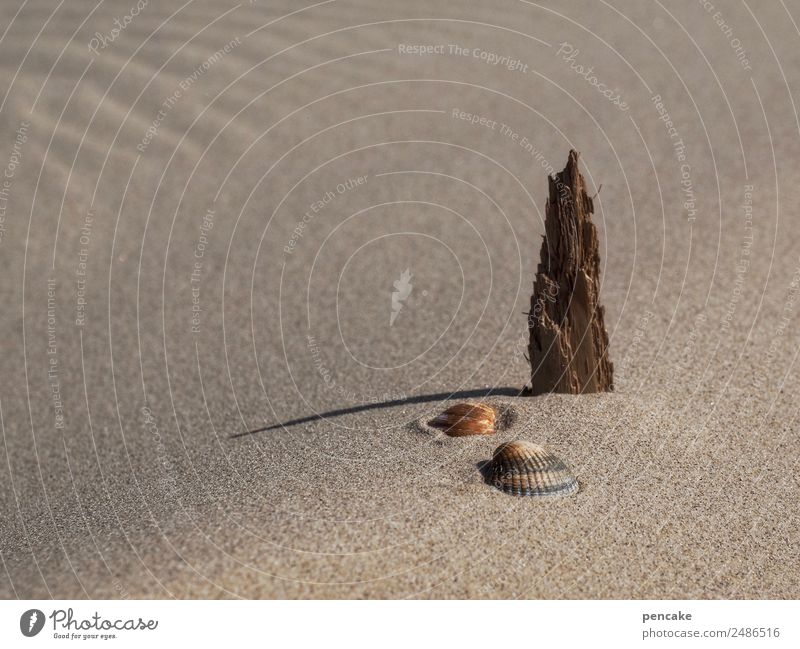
(524, 469)
(466, 419)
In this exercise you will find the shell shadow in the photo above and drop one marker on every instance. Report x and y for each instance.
(485, 469)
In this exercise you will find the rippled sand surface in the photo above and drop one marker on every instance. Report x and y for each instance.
(208, 390)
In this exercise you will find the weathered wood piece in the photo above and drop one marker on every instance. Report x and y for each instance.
(568, 347)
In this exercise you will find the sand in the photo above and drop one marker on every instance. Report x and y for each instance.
(170, 170)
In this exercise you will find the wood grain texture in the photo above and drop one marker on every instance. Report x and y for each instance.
(568, 346)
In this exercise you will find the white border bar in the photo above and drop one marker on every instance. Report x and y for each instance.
(378, 624)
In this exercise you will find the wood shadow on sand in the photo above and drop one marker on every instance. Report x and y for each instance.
(424, 398)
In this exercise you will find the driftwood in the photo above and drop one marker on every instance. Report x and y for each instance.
(568, 347)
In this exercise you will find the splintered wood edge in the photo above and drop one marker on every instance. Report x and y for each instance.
(568, 346)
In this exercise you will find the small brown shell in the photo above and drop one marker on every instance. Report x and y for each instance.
(466, 419)
(524, 469)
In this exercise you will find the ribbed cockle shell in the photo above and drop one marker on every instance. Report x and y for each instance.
(525, 469)
(467, 419)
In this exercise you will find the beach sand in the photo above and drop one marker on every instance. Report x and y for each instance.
(202, 395)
